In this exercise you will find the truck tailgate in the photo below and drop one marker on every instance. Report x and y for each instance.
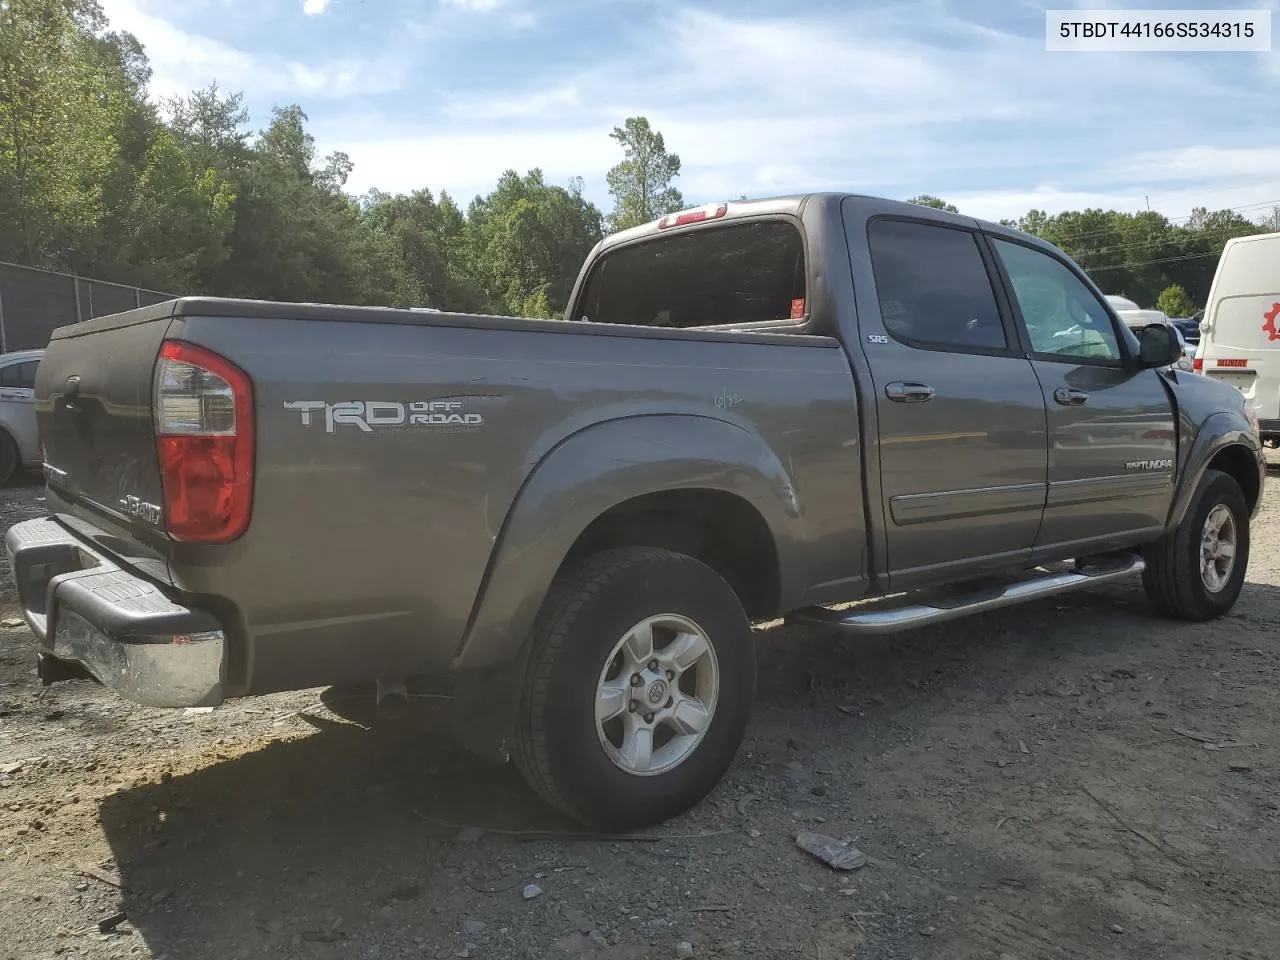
(93, 408)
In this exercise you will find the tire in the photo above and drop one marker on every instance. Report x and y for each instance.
(10, 462)
(580, 766)
(1173, 579)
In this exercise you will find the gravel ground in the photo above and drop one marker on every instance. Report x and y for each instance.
(1068, 779)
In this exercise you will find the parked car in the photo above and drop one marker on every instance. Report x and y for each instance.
(1135, 318)
(762, 409)
(1188, 327)
(1240, 332)
(19, 440)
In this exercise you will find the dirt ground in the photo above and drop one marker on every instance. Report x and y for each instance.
(1069, 779)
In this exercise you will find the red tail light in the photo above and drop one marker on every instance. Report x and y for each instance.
(204, 439)
(1197, 365)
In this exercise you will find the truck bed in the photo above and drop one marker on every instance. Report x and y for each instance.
(377, 518)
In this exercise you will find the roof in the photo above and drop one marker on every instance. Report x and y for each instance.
(796, 203)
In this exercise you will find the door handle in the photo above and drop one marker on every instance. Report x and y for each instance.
(908, 392)
(1070, 398)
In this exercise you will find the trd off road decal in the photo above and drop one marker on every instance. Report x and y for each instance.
(388, 416)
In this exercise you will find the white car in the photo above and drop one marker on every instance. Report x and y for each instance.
(19, 440)
(1135, 318)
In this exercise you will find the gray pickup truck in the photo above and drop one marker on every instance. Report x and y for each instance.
(750, 411)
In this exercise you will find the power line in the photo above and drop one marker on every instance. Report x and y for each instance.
(1148, 263)
(1203, 235)
(1200, 192)
(1171, 220)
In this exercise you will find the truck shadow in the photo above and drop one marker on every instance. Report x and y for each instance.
(341, 839)
(254, 852)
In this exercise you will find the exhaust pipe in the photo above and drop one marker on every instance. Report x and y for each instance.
(392, 698)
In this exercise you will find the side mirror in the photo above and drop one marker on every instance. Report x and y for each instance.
(1158, 346)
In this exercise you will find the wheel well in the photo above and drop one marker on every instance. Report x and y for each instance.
(1241, 465)
(722, 530)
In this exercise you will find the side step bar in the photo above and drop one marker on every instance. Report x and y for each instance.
(895, 619)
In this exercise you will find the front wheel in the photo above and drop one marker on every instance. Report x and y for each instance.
(1196, 572)
(639, 687)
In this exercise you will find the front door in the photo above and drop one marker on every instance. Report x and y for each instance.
(1112, 436)
(961, 420)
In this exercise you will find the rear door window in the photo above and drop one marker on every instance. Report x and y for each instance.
(713, 276)
(933, 287)
(21, 375)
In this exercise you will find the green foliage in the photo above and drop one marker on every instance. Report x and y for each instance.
(1137, 255)
(1174, 302)
(179, 219)
(641, 183)
(61, 116)
(929, 200)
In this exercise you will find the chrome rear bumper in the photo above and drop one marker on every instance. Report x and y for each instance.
(123, 629)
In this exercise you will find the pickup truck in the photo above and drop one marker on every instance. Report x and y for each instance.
(750, 411)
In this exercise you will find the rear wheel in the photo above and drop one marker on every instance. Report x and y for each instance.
(639, 687)
(1197, 571)
(9, 459)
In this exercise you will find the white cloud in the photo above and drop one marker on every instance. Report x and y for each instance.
(895, 99)
(465, 164)
(313, 7)
(182, 61)
(1000, 204)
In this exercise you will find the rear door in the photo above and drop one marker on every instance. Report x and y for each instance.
(1112, 437)
(961, 420)
(17, 405)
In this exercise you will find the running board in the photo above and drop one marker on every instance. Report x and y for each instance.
(893, 620)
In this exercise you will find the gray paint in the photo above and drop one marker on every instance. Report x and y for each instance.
(382, 554)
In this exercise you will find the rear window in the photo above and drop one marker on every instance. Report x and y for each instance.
(738, 273)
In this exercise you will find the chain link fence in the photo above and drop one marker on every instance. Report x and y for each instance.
(33, 303)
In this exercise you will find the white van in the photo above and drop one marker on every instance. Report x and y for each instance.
(1240, 332)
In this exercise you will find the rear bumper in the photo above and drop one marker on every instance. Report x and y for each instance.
(123, 629)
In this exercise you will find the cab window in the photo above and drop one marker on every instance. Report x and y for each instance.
(1062, 316)
(933, 287)
(710, 276)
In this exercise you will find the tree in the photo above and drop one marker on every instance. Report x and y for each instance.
(179, 220)
(928, 200)
(59, 119)
(211, 128)
(641, 184)
(528, 241)
(1174, 302)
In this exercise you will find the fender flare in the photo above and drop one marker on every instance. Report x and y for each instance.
(598, 468)
(1218, 432)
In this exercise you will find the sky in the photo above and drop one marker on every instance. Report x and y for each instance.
(757, 97)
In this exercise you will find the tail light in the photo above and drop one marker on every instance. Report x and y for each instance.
(204, 439)
(1197, 365)
(712, 211)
